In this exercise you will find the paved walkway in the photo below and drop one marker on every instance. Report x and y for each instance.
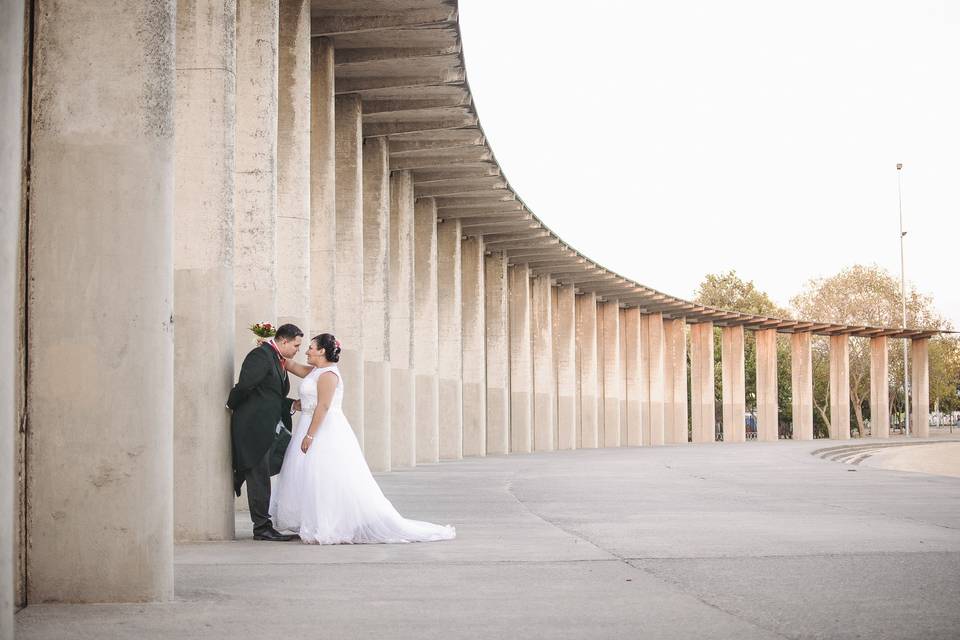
(754, 540)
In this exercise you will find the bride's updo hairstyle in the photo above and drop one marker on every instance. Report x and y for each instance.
(330, 345)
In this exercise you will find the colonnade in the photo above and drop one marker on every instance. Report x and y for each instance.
(222, 174)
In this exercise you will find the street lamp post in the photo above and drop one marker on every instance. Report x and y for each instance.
(903, 301)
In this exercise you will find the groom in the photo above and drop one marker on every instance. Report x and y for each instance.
(259, 401)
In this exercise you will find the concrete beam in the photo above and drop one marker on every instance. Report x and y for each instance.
(920, 386)
(768, 416)
(840, 387)
(675, 381)
(879, 387)
(403, 448)
(205, 118)
(376, 304)
(323, 201)
(544, 371)
(565, 341)
(802, 385)
(702, 403)
(466, 171)
(474, 348)
(450, 310)
(335, 23)
(348, 283)
(460, 186)
(497, 350)
(429, 141)
(653, 356)
(609, 318)
(99, 482)
(378, 129)
(426, 331)
(733, 384)
(521, 361)
(588, 388)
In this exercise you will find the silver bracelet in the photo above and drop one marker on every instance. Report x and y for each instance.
(309, 436)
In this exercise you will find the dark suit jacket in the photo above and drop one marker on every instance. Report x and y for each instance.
(258, 400)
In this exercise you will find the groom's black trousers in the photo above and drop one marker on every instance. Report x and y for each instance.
(258, 494)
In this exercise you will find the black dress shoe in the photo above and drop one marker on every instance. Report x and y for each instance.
(273, 535)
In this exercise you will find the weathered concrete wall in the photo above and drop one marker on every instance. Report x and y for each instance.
(702, 403)
(521, 360)
(497, 319)
(376, 303)
(450, 322)
(426, 331)
(879, 387)
(801, 385)
(255, 184)
(544, 371)
(588, 389)
(920, 387)
(675, 412)
(323, 183)
(565, 350)
(768, 417)
(633, 364)
(293, 169)
(403, 443)
(652, 327)
(609, 312)
(840, 387)
(474, 349)
(12, 27)
(348, 283)
(101, 421)
(203, 269)
(733, 382)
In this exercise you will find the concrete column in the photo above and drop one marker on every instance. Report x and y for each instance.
(610, 348)
(879, 387)
(920, 387)
(203, 269)
(12, 31)
(450, 309)
(623, 377)
(497, 352)
(702, 403)
(565, 340)
(255, 239)
(675, 381)
(403, 443)
(293, 168)
(633, 364)
(733, 384)
(544, 373)
(521, 361)
(840, 387)
(376, 304)
(100, 259)
(768, 417)
(323, 201)
(426, 334)
(653, 340)
(348, 282)
(474, 349)
(587, 371)
(801, 372)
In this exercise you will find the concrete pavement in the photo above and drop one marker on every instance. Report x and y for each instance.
(751, 540)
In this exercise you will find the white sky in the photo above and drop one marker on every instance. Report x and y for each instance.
(667, 140)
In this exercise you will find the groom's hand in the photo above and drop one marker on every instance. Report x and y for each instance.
(295, 407)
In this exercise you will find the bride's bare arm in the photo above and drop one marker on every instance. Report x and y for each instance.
(326, 386)
(299, 369)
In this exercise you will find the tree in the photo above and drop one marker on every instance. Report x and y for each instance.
(861, 295)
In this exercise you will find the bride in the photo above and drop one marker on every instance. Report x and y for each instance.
(325, 491)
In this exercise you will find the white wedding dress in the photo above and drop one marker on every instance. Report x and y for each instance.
(328, 495)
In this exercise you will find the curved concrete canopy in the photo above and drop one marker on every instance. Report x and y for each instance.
(404, 58)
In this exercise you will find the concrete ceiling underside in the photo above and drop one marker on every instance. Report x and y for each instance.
(404, 58)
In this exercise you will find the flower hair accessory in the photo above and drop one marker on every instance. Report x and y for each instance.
(336, 342)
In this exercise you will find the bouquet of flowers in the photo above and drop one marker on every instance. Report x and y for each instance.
(263, 332)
